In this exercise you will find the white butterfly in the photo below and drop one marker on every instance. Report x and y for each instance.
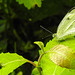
(66, 27)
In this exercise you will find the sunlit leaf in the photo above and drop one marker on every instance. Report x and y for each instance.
(9, 62)
(63, 56)
(30, 3)
(49, 67)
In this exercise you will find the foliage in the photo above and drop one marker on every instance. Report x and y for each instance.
(49, 67)
(19, 26)
(30, 3)
(9, 62)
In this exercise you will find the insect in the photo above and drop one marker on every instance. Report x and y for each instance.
(63, 55)
(66, 27)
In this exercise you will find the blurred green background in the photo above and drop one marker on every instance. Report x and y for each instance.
(20, 27)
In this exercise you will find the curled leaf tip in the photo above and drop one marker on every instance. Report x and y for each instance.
(40, 44)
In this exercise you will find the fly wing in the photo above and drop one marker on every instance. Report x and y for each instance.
(67, 24)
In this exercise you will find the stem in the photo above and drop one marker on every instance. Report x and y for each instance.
(32, 63)
(40, 59)
(39, 69)
(16, 34)
(42, 51)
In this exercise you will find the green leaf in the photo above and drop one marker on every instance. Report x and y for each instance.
(25, 46)
(3, 44)
(35, 71)
(20, 73)
(2, 25)
(0, 1)
(30, 3)
(9, 62)
(63, 56)
(40, 44)
(49, 67)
